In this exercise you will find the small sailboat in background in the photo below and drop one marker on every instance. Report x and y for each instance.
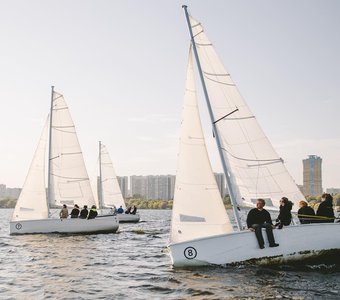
(68, 181)
(109, 193)
(201, 231)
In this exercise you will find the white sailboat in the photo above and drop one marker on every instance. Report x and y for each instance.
(109, 191)
(201, 232)
(68, 182)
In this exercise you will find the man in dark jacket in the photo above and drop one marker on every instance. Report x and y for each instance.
(84, 212)
(325, 209)
(259, 218)
(304, 212)
(75, 211)
(93, 212)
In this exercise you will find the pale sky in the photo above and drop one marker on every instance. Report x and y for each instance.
(121, 67)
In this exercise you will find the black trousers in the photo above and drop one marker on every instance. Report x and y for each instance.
(259, 236)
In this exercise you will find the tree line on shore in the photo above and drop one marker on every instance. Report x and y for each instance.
(167, 204)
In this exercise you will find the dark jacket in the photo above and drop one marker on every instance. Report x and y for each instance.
(256, 216)
(75, 213)
(134, 211)
(92, 214)
(325, 209)
(83, 214)
(285, 216)
(306, 210)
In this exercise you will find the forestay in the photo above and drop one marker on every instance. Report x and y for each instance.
(69, 179)
(256, 169)
(32, 203)
(111, 193)
(198, 210)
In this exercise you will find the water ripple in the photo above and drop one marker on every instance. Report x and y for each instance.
(132, 264)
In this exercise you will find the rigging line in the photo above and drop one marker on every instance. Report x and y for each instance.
(241, 118)
(65, 131)
(235, 110)
(213, 80)
(61, 108)
(199, 44)
(198, 33)
(195, 25)
(70, 153)
(265, 164)
(59, 96)
(216, 74)
(74, 179)
(247, 159)
(69, 126)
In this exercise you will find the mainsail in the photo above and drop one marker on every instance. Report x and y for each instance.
(198, 210)
(32, 203)
(256, 170)
(110, 194)
(69, 181)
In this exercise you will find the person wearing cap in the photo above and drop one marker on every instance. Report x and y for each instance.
(75, 211)
(93, 212)
(63, 214)
(84, 212)
(285, 215)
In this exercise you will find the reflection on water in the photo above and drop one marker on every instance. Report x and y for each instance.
(133, 264)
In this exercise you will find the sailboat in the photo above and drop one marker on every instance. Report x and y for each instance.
(109, 193)
(68, 181)
(201, 231)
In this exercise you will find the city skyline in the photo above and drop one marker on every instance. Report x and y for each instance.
(121, 68)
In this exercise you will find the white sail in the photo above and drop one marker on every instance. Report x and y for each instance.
(198, 210)
(70, 183)
(32, 202)
(111, 193)
(256, 169)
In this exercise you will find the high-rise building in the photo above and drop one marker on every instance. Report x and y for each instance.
(312, 176)
(123, 182)
(153, 186)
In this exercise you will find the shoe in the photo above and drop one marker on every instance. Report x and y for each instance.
(274, 245)
(261, 247)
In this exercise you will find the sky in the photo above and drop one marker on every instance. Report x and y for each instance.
(121, 67)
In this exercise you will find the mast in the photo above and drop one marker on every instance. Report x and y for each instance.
(49, 178)
(100, 196)
(215, 131)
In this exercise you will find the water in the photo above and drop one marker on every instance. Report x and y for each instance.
(132, 264)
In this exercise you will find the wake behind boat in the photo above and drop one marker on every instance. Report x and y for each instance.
(201, 231)
(68, 182)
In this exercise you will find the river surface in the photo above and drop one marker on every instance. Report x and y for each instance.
(133, 264)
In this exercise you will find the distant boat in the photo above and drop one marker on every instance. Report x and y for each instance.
(68, 182)
(201, 231)
(109, 193)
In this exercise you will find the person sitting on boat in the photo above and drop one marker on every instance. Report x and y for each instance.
(325, 209)
(128, 211)
(259, 218)
(93, 212)
(113, 210)
(75, 211)
(285, 215)
(64, 212)
(84, 212)
(134, 210)
(120, 210)
(305, 211)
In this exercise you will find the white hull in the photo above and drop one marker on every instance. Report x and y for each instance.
(128, 218)
(76, 225)
(296, 242)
